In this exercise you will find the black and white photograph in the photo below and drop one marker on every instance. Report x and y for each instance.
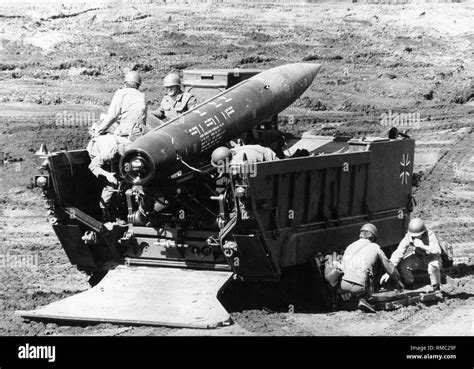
(278, 169)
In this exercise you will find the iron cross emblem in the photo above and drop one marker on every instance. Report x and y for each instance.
(404, 169)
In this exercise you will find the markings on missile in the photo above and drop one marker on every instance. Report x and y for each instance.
(211, 130)
(405, 163)
(211, 122)
(193, 131)
(228, 112)
(215, 104)
(226, 99)
(201, 113)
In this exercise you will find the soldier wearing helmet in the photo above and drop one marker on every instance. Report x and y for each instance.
(361, 262)
(221, 156)
(104, 152)
(176, 101)
(418, 250)
(128, 109)
(241, 155)
(241, 160)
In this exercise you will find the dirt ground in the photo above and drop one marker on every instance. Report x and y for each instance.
(66, 59)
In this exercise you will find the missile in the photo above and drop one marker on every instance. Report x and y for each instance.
(216, 121)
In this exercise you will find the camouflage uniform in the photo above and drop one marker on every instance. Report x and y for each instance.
(171, 107)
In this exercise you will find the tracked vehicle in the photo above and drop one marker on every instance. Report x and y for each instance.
(187, 231)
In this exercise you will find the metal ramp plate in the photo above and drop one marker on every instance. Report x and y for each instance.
(145, 295)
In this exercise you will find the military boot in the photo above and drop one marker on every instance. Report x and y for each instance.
(365, 306)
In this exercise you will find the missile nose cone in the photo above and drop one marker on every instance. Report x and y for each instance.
(310, 69)
(301, 74)
(292, 72)
(287, 82)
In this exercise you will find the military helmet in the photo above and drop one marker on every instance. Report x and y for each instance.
(416, 227)
(133, 77)
(171, 79)
(370, 228)
(220, 155)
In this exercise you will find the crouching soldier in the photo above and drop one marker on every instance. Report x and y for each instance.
(251, 154)
(418, 250)
(241, 161)
(360, 263)
(105, 152)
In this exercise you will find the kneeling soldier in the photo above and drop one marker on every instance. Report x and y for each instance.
(359, 264)
(418, 250)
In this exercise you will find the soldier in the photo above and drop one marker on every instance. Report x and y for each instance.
(359, 265)
(418, 250)
(241, 160)
(105, 152)
(252, 154)
(176, 101)
(128, 109)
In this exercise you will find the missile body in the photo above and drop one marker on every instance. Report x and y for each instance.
(216, 121)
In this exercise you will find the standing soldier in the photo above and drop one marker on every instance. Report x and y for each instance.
(418, 250)
(360, 264)
(176, 101)
(128, 109)
(105, 151)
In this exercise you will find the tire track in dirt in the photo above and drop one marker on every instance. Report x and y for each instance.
(445, 196)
